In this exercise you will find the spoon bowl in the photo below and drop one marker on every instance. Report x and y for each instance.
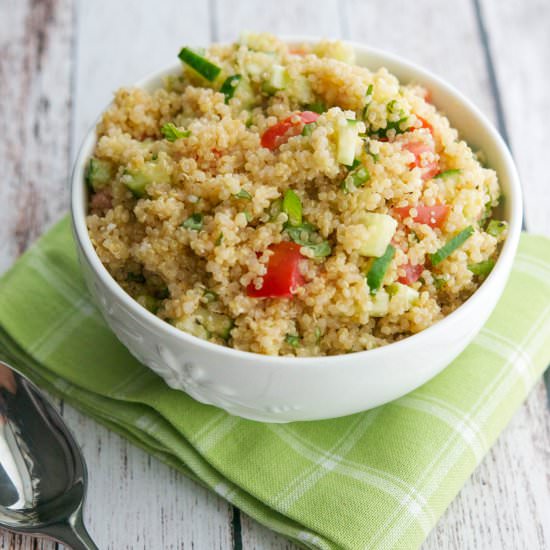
(42, 471)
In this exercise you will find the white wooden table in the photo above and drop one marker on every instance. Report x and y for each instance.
(60, 62)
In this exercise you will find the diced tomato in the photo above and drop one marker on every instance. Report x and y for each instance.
(283, 130)
(418, 148)
(425, 124)
(283, 276)
(217, 152)
(434, 216)
(412, 273)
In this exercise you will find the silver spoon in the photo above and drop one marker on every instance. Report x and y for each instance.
(42, 472)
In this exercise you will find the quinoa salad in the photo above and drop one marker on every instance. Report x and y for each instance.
(281, 199)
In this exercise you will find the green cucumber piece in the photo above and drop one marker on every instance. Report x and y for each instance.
(482, 269)
(448, 173)
(496, 227)
(99, 173)
(381, 229)
(278, 80)
(138, 180)
(199, 64)
(378, 269)
(448, 248)
(380, 304)
(347, 141)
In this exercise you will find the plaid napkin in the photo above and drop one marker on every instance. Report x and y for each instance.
(376, 480)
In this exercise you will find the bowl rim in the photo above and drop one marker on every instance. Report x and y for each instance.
(514, 199)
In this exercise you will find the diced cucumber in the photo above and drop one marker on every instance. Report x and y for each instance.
(149, 302)
(278, 79)
(200, 64)
(496, 227)
(138, 180)
(245, 94)
(409, 293)
(347, 141)
(378, 269)
(482, 269)
(380, 304)
(217, 324)
(204, 324)
(381, 229)
(450, 246)
(99, 173)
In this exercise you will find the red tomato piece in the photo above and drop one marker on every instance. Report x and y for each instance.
(283, 276)
(283, 130)
(412, 273)
(418, 148)
(425, 124)
(434, 216)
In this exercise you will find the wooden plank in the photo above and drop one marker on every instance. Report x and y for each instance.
(35, 76)
(35, 54)
(149, 504)
(520, 43)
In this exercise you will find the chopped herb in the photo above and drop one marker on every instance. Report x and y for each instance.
(229, 86)
(369, 90)
(448, 173)
(200, 64)
(482, 269)
(193, 222)
(355, 179)
(293, 340)
(154, 156)
(307, 130)
(247, 215)
(219, 239)
(390, 107)
(354, 164)
(496, 227)
(135, 278)
(382, 133)
(439, 282)
(306, 235)
(163, 293)
(243, 194)
(378, 269)
(316, 107)
(171, 132)
(292, 207)
(448, 248)
(210, 296)
(317, 333)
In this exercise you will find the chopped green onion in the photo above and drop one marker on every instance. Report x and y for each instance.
(171, 132)
(317, 107)
(496, 227)
(293, 340)
(448, 248)
(368, 99)
(292, 207)
(374, 156)
(200, 64)
(482, 269)
(307, 130)
(98, 173)
(229, 86)
(378, 269)
(355, 179)
(194, 222)
(219, 240)
(369, 90)
(210, 296)
(243, 194)
(448, 173)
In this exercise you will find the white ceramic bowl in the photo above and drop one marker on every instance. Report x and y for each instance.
(282, 389)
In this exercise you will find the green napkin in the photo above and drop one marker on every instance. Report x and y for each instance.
(377, 480)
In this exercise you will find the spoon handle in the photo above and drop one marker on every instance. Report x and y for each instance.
(73, 534)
